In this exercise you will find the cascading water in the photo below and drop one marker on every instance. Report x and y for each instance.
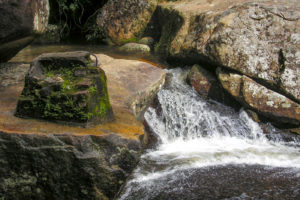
(209, 151)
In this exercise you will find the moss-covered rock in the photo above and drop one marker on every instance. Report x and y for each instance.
(66, 87)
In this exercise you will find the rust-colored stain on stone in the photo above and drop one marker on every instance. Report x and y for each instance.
(125, 123)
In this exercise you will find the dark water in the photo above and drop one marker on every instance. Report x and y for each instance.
(221, 182)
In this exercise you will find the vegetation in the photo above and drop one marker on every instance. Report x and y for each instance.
(76, 16)
(59, 97)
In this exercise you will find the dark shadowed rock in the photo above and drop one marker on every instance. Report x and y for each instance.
(64, 166)
(65, 87)
(19, 19)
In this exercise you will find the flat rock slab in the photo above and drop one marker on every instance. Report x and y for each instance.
(128, 82)
(131, 84)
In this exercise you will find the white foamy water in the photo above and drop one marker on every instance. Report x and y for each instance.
(196, 133)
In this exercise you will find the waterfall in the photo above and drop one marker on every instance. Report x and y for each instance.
(195, 133)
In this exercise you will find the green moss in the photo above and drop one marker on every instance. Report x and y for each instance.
(68, 102)
(130, 40)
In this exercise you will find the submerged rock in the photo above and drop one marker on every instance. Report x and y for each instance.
(135, 48)
(124, 21)
(264, 101)
(66, 87)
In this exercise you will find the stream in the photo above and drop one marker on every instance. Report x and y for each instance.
(205, 150)
(209, 151)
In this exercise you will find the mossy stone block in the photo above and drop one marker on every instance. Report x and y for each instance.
(67, 87)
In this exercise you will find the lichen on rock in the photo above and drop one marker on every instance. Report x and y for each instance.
(67, 87)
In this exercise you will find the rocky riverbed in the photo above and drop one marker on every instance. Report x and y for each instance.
(96, 160)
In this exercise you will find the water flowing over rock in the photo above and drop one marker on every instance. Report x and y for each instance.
(18, 19)
(208, 151)
(123, 21)
(261, 99)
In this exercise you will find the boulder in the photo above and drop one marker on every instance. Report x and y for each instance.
(262, 100)
(205, 83)
(66, 87)
(19, 19)
(135, 48)
(48, 166)
(123, 21)
(10, 49)
(208, 86)
(258, 39)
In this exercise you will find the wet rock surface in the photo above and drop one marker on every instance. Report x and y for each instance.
(66, 87)
(65, 166)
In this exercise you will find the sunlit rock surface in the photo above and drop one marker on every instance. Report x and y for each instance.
(259, 39)
(131, 84)
(124, 21)
(261, 99)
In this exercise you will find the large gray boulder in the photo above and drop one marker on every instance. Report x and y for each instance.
(259, 39)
